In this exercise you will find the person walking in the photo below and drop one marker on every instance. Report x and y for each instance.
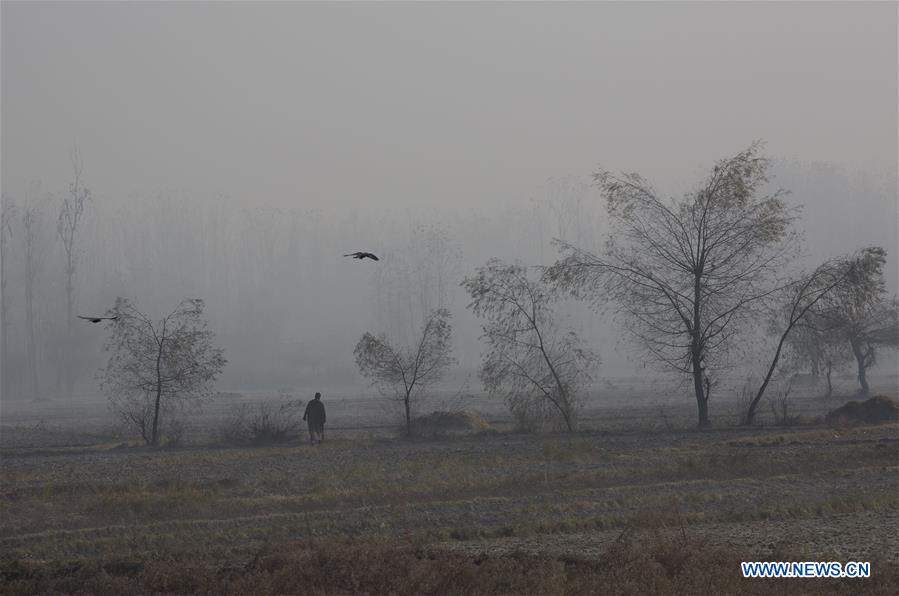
(315, 418)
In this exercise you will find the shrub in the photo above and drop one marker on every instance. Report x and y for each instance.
(876, 410)
(263, 424)
(533, 415)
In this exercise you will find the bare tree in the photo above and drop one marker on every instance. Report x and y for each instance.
(156, 368)
(7, 215)
(686, 274)
(30, 223)
(406, 373)
(800, 297)
(860, 313)
(529, 360)
(70, 214)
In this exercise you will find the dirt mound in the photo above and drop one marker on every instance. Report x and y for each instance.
(873, 411)
(438, 424)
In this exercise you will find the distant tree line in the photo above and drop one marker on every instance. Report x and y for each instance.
(34, 245)
(282, 300)
(692, 280)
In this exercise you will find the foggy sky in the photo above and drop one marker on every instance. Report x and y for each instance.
(190, 116)
(398, 104)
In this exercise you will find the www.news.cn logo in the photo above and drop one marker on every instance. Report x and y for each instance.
(806, 569)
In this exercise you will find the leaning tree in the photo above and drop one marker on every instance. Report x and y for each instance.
(687, 274)
(797, 301)
(404, 373)
(535, 365)
(861, 314)
(156, 368)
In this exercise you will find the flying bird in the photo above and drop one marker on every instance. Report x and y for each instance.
(362, 255)
(98, 319)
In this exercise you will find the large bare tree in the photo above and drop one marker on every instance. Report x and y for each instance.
(70, 213)
(687, 273)
(156, 368)
(405, 373)
(535, 365)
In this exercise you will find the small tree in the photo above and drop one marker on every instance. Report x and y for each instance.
(406, 373)
(800, 297)
(860, 313)
(529, 361)
(687, 274)
(157, 367)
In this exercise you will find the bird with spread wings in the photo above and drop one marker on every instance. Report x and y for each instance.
(362, 255)
(97, 319)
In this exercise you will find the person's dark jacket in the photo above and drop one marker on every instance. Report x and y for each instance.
(315, 414)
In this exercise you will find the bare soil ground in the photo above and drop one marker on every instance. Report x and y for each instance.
(74, 493)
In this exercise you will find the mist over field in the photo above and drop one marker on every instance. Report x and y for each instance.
(219, 163)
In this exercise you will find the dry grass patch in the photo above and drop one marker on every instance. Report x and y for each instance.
(575, 451)
(656, 564)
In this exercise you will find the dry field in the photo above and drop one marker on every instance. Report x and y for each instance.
(639, 503)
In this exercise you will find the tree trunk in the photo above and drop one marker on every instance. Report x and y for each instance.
(67, 353)
(154, 436)
(6, 213)
(750, 413)
(567, 416)
(408, 415)
(860, 358)
(829, 383)
(4, 344)
(4, 321)
(32, 343)
(4, 351)
(702, 401)
(703, 404)
(566, 408)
